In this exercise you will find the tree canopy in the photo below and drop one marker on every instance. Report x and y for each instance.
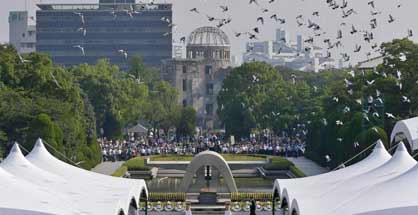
(344, 110)
(70, 107)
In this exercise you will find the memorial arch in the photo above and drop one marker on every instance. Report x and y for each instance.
(213, 160)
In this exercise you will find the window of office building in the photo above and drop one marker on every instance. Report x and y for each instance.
(208, 69)
(209, 89)
(209, 109)
(184, 69)
(184, 84)
(184, 102)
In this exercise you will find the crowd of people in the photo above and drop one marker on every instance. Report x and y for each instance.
(287, 144)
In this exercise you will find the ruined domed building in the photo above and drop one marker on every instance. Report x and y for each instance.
(199, 76)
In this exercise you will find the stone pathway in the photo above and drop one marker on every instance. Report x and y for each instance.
(108, 168)
(307, 166)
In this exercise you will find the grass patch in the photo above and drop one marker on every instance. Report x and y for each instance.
(227, 157)
(253, 182)
(121, 171)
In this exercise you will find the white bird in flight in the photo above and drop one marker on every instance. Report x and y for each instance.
(124, 53)
(81, 49)
(81, 16)
(22, 60)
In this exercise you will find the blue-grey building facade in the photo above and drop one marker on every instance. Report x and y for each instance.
(84, 33)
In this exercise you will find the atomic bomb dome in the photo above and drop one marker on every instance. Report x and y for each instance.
(199, 76)
(208, 36)
(208, 43)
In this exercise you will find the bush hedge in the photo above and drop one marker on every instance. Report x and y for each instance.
(296, 171)
(247, 196)
(227, 157)
(280, 163)
(137, 163)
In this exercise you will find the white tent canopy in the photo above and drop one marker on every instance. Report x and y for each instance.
(323, 202)
(399, 192)
(17, 195)
(91, 202)
(408, 128)
(75, 190)
(315, 184)
(8, 211)
(412, 210)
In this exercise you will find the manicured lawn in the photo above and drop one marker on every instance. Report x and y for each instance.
(228, 157)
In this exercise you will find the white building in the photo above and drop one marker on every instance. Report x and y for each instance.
(22, 32)
(179, 50)
(283, 52)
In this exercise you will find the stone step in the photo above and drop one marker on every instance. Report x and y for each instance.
(208, 212)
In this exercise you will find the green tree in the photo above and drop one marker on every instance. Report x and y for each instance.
(140, 72)
(245, 99)
(43, 127)
(186, 125)
(39, 99)
(162, 111)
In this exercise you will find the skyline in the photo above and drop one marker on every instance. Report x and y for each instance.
(329, 20)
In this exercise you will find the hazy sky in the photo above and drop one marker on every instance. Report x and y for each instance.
(244, 19)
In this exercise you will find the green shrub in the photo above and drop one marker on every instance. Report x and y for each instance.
(227, 157)
(278, 163)
(121, 171)
(177, 197)
(137, 164)
(247, 196)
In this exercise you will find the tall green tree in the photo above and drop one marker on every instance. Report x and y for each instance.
(186, 125)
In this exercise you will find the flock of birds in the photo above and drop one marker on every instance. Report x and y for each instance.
(130, 11)
(306, 21)
(317, 36)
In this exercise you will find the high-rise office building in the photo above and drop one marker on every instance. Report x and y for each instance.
(113, 29)
(22, 33)
(281, 36)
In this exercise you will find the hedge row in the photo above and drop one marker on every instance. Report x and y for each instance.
(137, 163)
(280, 163)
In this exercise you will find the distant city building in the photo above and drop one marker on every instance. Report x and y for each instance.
(113, 29)
(283, 52)
(235, 61)
(22, 32)
(370, 64)
(199, 76)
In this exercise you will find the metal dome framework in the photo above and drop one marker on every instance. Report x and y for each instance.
(208, 36)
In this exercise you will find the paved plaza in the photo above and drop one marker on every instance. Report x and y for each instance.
(307, 166)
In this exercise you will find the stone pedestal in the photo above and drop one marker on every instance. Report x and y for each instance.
(207, 197)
